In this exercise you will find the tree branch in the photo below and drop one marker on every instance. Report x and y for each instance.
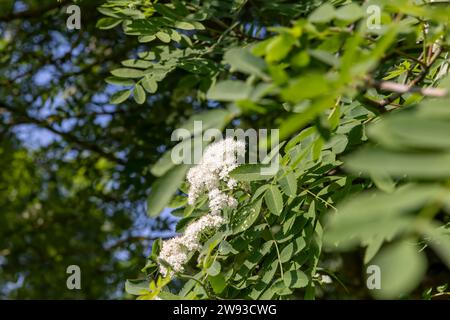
(403, 88)
(411, 87)
(65, 135)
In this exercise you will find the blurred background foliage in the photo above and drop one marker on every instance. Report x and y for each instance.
(74, 168)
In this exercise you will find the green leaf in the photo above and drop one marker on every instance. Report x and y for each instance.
(323, 14)
(139, 94)
(334, 117)
(150, 267)
(383, 181)
(164, 188)
(377, 215)
(373, 246)
(317, 149)
(245, 217)
(295, 279)
(156, 247)
(127, 73)
(260, 191)
(306, 87)
(214, 269)
(147, 55)
(145, 39)
(280, 288)
(405, 131)
(439, 239)
(301, 59)
(108, 12)
(242, 60)
(216, 118)
(402, 267)
(164, 37)
(137, 63)
(292, 249)
(279, 47)
(137, 287)
(229, 90)
(120, 96)
(166, 11)
(289, 184)
(325, 57)
(183, 25)
(177, 201)
(252, 172)
(299, 138)
(349, 13)
(274, 200)
(398, 164)
(311, 210)
(268, 294)
(163, 164)
(175, 36)
(198, 25)
(297, 121)
(149, 85)
(226, 248)
(338, 143)
(217, 283)
(119, 81)
(107, 23)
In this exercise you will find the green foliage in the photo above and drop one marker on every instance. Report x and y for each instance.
(408, 144)
(164, 188)
(318, 77)
(362, 112)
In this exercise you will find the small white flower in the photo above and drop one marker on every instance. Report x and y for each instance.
(232, 183)
(175, 254)
(326, 279)
(218, 161)
(175, 251)
(219, 200)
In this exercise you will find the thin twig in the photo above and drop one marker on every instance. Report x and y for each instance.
(321, 199)
(411, 86)
(403, 88)
(276, 248)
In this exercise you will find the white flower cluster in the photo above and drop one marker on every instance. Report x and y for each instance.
(175, 251)
(323, 278)
(217, 162)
